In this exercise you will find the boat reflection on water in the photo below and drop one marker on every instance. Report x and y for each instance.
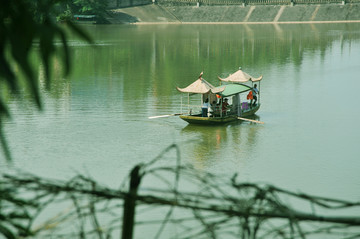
(231, 143)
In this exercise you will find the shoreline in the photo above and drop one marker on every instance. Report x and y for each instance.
(243, 23)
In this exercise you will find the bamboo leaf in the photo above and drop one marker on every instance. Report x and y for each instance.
(7, 74)
(20, 46)
(3, 111)
(66, 51)
(6, 232)
(47, 48)
(4, 144)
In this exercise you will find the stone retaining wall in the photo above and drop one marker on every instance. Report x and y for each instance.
(155, 13)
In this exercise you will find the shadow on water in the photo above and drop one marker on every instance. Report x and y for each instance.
(125, 18)
(232, 141)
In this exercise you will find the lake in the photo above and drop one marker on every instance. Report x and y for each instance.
(95, 121)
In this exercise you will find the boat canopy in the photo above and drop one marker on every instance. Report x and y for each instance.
(201, 86)
(240, 77)
(233, 89)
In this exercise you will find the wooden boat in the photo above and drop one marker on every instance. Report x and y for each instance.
(235, 89)
(198, 119)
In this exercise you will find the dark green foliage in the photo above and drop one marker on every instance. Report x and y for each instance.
(69, 8)
(91, 7)
(22, 24)
(14, 217)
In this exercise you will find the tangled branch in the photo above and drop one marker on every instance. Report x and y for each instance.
(198, 204)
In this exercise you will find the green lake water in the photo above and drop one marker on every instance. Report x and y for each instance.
(96, 120)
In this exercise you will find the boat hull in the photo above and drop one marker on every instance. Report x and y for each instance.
(197, 119)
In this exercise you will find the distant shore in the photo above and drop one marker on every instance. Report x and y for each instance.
(236, 14)
(242, 23)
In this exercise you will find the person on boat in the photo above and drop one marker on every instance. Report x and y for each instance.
(255, 92)
(250, 97)
(213, 108)
(225, 105)
(204, 108)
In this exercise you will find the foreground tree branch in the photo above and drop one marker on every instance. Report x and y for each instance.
(199, 204)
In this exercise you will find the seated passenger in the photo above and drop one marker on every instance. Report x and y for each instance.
(225, 106)
(255, 92)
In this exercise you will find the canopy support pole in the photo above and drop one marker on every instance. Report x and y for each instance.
(259, 94)
(181, 104)
(221, 103)
(189, 103)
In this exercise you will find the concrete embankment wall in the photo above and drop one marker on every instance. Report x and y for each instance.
(155, 13)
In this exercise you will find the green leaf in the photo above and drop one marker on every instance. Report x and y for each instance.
(7, 74)
(47, 35)
(4, 145)
(20, 46)
(66, 51)
(6, 232)
(3, 111)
